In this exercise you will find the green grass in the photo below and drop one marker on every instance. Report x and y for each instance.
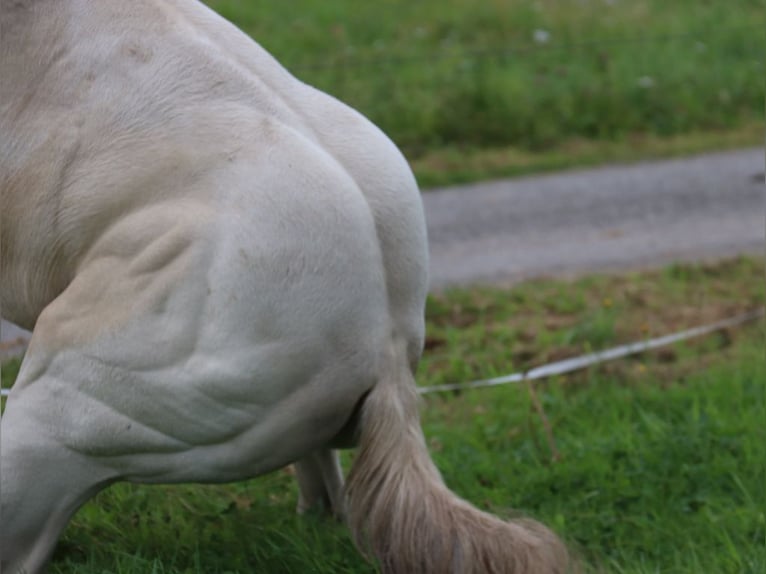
(455, 164)
(663, 456)
(463, 76)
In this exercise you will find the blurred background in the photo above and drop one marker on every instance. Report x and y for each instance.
(474, 89)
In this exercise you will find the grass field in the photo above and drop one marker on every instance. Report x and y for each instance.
(662, 457)
(527, 76)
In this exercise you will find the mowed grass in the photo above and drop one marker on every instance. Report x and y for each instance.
(662, 456)
(448, 80)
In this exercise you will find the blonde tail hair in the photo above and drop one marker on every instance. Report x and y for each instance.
(401, 512)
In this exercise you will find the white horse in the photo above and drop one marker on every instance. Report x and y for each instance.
(225, 271)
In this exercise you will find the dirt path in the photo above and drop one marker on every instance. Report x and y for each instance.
(589, 220)
(601, 219)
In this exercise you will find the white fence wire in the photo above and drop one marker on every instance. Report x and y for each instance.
(584, 361)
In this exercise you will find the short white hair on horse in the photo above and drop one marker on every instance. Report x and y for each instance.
(226, 272)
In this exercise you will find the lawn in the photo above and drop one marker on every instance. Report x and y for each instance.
(521, 85)
(662, 456)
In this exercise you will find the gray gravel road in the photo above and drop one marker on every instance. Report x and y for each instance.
(599, 219)
(593, 220)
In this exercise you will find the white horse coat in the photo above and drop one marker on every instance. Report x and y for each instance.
(219, 264)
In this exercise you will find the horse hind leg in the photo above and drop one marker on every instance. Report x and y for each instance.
(42, 484)
(320, 482)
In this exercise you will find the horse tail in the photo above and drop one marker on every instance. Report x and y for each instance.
(402, 514)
